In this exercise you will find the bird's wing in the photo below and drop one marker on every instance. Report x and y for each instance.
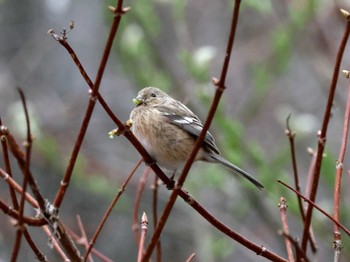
(184, 118)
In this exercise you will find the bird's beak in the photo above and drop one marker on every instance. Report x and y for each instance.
(138, 100)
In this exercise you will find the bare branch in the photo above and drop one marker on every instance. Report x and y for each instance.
(282, 204)
(92, 101)
(109, 210)
(338, 176)
(323, 134)
(316, 206)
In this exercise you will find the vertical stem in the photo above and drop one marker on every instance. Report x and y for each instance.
(338, 176)
(323, 134)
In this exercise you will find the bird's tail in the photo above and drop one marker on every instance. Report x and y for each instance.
(236, 170)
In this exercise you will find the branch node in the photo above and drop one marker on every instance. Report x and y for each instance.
(117, 12)
(7, 176)
(346, 73)
(345, 14)
(319, 133)
(144, 221)
(261, 251)
(112, 8)
(26, 144)
(119, 131)
(338, 164)
(215, 81)
(54, 35)
(51, 210)
(71, 24)
(288, 131)
(321, 138)
(93, 98)
(190, 200)
(311, 151)
(337, 245)
(282, 204)
(4, 130)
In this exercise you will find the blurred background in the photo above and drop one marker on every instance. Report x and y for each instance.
(281, 64)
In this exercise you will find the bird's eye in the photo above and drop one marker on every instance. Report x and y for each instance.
(153, 95)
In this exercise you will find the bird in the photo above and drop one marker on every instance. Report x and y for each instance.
(168, 130)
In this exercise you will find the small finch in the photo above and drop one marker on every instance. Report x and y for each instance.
(168, 130)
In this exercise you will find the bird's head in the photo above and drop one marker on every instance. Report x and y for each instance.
(149, 96)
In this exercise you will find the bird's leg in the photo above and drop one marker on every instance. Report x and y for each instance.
(150, 163)
(172, 181)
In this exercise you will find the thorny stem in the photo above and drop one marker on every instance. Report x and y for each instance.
(323, 135)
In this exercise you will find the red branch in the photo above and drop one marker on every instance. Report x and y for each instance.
(283, 210)
(316, 206)
(219, 90)
(28, 145)
(109, 210)
(92, 101)
(183, 193)
(338, 175)
(139, 190)
(322, 136)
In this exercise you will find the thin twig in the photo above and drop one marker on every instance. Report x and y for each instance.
(323, 135)
(37, 252)
(15, 214)
(40, 256)
(20, 157)
(338, 176)
(97, 253)
(155, 215)
(53, 242)
(191, 257)
(3, 139)
(83, 238)
(283, 211)
(291, 136)
(119, 11)
(316, 206)
(139, 191)
(13, 184)
(144, 227)
(261, 250)
(28, 145)
(109, 210)
(299, 255)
